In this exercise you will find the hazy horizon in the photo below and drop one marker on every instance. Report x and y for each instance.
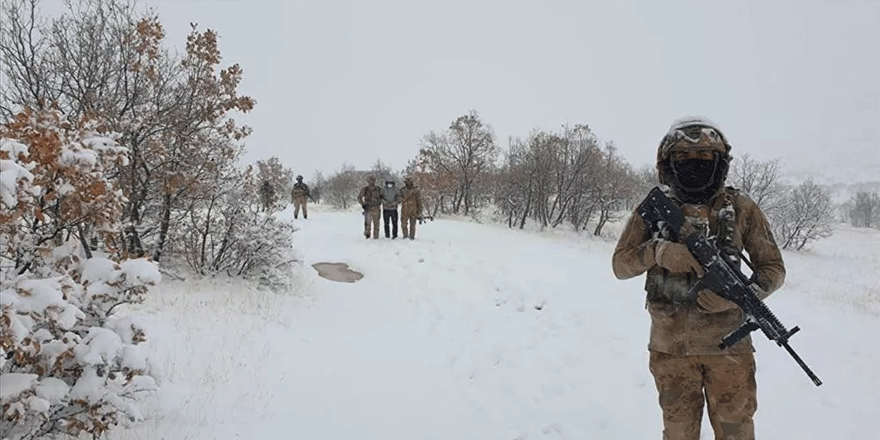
(354, 81)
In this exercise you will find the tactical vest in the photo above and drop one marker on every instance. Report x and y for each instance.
(300, 190)
(372, 195)
(697, 220)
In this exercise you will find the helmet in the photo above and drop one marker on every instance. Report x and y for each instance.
(695, 181)
(299, 177)
(408, 180)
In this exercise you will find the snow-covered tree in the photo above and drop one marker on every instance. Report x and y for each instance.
(437, 186)
(68, 362)
(383, 172)
(564, 176)
(317, 186)
(104, 60)
(759, 180)
(646, 178)
(342, 187)
(616, 185)
(805, 215)
(278, 177)
(467, 152)
(864, 210)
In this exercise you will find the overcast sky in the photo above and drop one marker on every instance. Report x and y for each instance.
(360, 80)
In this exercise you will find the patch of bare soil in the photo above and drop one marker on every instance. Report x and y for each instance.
(337, 272)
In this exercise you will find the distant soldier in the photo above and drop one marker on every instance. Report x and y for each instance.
(267, 195)
(390, 200)
(299, 194)
(410, 208)
(370, 199)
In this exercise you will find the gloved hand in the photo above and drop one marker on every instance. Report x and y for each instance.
(676, 258)
(709, 302)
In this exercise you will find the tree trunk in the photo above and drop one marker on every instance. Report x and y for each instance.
(525, 214)
(599, 226)
(203, 251)
(82, 240)
(163, 226)
(604, 214)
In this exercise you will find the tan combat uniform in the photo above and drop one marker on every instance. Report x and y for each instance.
(410, 209)
(688, 366)
(299, 194)
(267, 196)
(370, 200)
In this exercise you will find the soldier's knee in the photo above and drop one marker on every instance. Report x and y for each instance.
(734, 408)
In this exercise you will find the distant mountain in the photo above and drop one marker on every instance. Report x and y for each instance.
(844, 181)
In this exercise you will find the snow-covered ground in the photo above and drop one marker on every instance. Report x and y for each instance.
(476, 331)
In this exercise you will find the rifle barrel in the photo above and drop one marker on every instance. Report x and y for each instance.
(800, 362)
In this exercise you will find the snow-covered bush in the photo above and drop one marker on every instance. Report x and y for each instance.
(863, 209)
(228, 233)
(67, 362)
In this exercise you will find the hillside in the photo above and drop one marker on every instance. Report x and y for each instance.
(476, 331)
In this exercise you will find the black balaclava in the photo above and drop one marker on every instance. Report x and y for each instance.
(696, 180)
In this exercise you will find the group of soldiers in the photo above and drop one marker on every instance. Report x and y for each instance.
(373, 199)
(387, 198)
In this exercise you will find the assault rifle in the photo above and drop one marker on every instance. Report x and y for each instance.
(665, 218)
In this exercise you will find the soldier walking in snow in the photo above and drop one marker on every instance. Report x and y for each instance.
(689, 367)
(370, 199)
(299, 194)
(390, 200)
(410, 207)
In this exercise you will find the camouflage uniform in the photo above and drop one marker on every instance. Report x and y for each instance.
(688, 366)
(370, 200)
(410, 208)
(299, 194)
(267, 196)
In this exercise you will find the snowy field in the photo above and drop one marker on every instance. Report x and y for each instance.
(475, 331)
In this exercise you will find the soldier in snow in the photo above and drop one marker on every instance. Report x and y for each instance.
(689, 368)
(267, 196)
(410, 207)
(370, 199)
(299, 194)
